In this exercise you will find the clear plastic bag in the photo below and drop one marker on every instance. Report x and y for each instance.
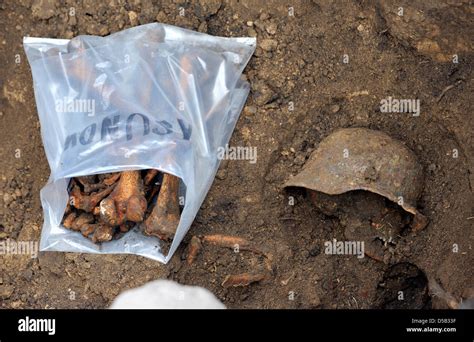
(153, 96)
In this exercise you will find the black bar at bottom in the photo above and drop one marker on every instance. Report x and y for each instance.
(246, 325)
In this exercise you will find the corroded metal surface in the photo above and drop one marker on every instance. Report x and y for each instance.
(363, 159)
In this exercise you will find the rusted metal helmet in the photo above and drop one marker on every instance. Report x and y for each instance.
(364, 159)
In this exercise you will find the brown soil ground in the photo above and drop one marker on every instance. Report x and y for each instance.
(299, 65)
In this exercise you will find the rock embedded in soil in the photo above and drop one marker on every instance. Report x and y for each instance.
(268, 44)
(335, 108)
(262, 93)
(417, 24)
(133, 18)
(7, 198)
(43, 9)
(6, 291)
(271, 28)
(208, 8)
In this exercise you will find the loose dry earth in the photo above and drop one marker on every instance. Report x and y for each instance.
(319, 66)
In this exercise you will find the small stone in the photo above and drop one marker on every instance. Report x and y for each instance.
(18, 193)
(259, 25)
(262, 93)
(314, 301)
(222, 171)
(268, 44)
(221, 174)
(250, 110)
(251, 32)
(6, 291)
(250, 23)
(335, 108)
(43, 9)
(210, 7)
(161, 17)
(299, 159)
(104, 30)
(16, 304)
(7, 198)
(427, 46)
(271, 28)
(133, 17)
(69, 35)
(264, 16)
